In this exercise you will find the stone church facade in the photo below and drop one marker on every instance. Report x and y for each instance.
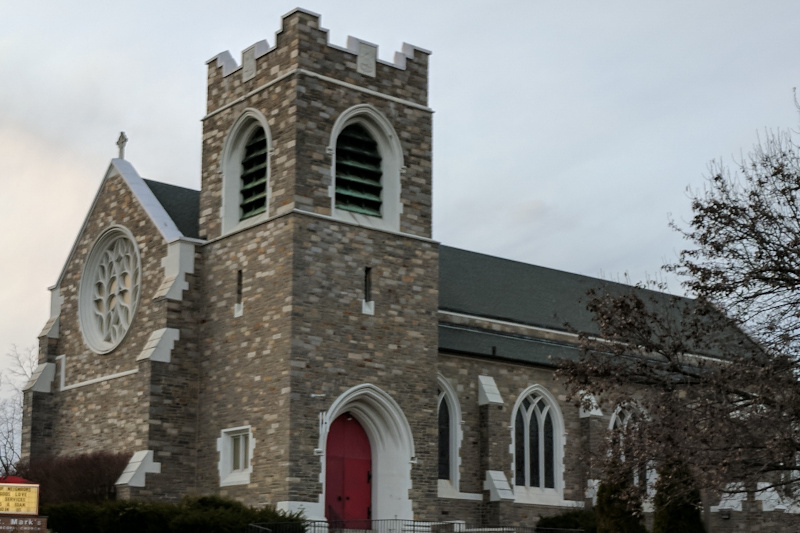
(291, 334)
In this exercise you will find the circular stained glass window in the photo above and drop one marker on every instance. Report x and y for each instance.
(109, 290)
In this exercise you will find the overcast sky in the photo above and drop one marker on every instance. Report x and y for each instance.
(565, 132)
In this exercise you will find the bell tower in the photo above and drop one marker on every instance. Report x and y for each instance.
(320, 274)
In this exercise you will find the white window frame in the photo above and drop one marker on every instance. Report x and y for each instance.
(231, 169)
(619, 422)
(392, 167)
(541, 495)
(448, 395)
(225, 446)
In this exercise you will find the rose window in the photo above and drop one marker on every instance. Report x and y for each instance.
(109, 290)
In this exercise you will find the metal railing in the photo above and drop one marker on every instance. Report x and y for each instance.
(392, 526)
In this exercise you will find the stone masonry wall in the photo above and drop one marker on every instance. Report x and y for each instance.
(301, 108)
(511, 379)
(110, 415)
(244, 370)
(335, 346)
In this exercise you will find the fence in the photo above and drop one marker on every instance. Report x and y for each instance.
(393, 526)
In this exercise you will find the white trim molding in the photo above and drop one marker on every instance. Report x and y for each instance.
(178, 262)
(488, 393)
(232, 440)
(139, 465)
(51, 328)
(159, 346)
(42, 378)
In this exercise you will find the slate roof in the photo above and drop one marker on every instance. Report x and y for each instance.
(494, 288)
(182, 205)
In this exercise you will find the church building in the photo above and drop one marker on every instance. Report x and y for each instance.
(291, 334)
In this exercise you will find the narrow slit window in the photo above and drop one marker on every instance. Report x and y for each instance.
(368, 284)
(358, 172)
(239, 287)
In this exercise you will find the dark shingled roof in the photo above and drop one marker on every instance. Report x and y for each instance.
(491, 287)
(181, 204)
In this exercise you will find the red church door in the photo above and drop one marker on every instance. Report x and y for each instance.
(348, 474)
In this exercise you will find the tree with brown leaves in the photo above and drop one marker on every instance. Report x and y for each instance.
(715, 378)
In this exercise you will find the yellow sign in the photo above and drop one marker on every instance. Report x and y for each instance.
(19, 499)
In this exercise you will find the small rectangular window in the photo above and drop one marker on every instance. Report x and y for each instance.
(235, 446)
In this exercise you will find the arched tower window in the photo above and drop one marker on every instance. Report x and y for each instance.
(253, 188)
(245, 166)
(538, 441)
(358, 172)
(366, 167)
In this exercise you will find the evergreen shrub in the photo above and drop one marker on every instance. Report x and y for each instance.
(209, 514)
(578, 519)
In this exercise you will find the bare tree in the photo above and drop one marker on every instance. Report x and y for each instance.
(21, 363)
(715, 378)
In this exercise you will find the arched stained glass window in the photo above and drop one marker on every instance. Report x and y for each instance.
(535, 443)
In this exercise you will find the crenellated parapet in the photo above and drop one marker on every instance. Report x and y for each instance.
(302, 47)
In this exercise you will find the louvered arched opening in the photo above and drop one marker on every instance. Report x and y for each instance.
(254, 175)
(358, 172)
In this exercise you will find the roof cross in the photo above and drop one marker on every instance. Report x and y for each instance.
(121, 142)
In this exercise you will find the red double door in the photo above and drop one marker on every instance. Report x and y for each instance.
(348, 474)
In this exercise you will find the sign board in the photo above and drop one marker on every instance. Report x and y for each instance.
(18, 499)
(26, 524)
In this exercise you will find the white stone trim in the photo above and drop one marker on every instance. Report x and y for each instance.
(231, 169)
(445, 489)
(51, 328)
(594, 410)
(61, 361)
(497, 485)
(507, 323)
(159, 346)
(249, 56)
(140, 464)
(178, 262)
(391, 153)
(42, 378)
(313, 511)
(544, 496)
(328, 79)
(330, 219)
(488, 393)
(449, 396)
(368, 307)
(227, 476)
(391, 442)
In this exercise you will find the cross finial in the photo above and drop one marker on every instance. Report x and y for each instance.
(121, 142)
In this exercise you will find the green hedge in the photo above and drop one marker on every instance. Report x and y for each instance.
(209, 514)
(580, 519)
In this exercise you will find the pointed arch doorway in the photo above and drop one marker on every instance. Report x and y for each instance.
(391, 449)
(348, 474)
